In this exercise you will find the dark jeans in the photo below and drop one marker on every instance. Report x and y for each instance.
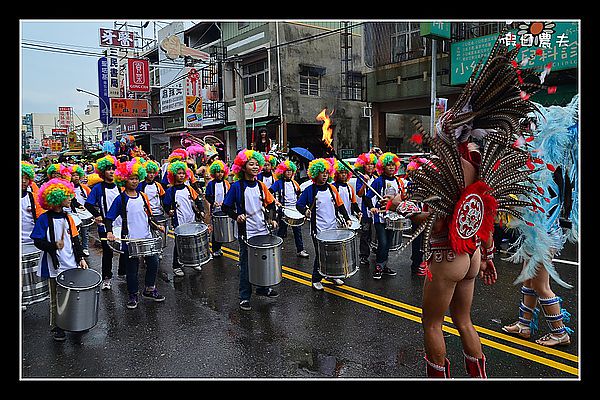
(107, 257)
(282, 233)
(316, 275)
(216, 246)
(132, 272)
(417, 254)
(366, 226)
(384, 239)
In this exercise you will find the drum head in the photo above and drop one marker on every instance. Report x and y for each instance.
(78, 278)
(191, 229)
(265, 241)
(29, 250)
(292, 213)
(220, 214)
(84, 214)
(335, 235)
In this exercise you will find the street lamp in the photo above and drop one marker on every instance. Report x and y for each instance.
(105, 105)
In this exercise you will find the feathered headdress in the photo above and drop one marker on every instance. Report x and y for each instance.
(338, 167)
(126, 169)
(195, 149)
(28, 169)
(218, 166)
(318, 165)
(176, 166)
(386, 159)
(283, 166)
(54, 192)
(104, 162)
(242, 158)
(364, 159)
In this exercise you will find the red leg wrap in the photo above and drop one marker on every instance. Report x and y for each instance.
(437, 371)
(475, 366)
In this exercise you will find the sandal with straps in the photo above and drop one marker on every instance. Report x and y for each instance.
(551, 340)
(519, 329)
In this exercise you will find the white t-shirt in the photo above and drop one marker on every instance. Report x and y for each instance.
(66, 258)
(346, 197)
(325, 209)
(152, 192)
(185, 212)
(27, 222)
(219, 194)
(80, 194)
(137, 219)
(255, 216)
(289, 190)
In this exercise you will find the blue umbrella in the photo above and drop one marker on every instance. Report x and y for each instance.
(303, 153)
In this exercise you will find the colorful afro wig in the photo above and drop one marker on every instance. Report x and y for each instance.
(94, 178)
(386, 159)
(64, 171)
(76, 169)
(318, 165)
(151, 166)
(339, 167)
(176, 166)
(105, 162)
(284, 166)
(242, 158)
(364, 159)
(271, 160)
(127, 169)
(54, 192)
(218, 166)
(28, 169)
(178, 155)
(109, 148)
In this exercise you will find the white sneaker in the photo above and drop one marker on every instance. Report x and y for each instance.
(317, 286)
(303, 254)
(338, 281)
(198, 268)
(86, 252)
(178, 272)
(106, 284)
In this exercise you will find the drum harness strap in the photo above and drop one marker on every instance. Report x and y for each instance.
(312, 208)
(281, 194)
(261, 196)
(125, 229)
(52, 234)
(32, 205)
(194, 206)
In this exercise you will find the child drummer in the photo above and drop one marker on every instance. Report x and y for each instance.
(135, 221)
(216, 189)
(251, 204)
(266, 176)
(340, 180)
(286, 190)
(82, 192)
(56, 235)
(182, 203)
(365, 164)
(322, 204)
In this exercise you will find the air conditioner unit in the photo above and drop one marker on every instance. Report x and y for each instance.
(366, 112)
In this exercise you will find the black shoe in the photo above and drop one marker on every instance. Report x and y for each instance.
(269, 292)
(388, 271)
(245, 305)
(378, 272)
(59, 334)
(364, 261)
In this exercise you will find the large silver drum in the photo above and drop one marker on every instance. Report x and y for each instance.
(224, 228)
(394, 245)
(292, 217)
(77, 299)
(144, 247)
(34, 289)
(264, 260)
(191, 240)
(338, 253)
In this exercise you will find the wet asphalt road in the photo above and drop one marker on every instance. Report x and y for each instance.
(364, 330)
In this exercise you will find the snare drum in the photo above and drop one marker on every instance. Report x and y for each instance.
(116, 244)
(192, 240)
(395, 244)
(224, 228)
(292, 217)
(338, 253)
(264, 260)
(396, 222)
(34, 288)
(144, 247)
(77, 299)
(87, 219)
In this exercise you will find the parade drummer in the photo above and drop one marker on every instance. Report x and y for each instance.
(98, 202)
(365, 164)
(287, 191)
(266, 175)
(386, 184)
(132, 212)
(322, 204)
(176, 155)
(30, 206)
(182, 203)
(152, 188)
(56, 235)
(216, 189)
(341, 176)
(250, 203)
(82, 191)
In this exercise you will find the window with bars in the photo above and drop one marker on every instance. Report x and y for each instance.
(256, 76)
(310, 80)
(354, 86)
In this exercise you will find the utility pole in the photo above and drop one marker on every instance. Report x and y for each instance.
(239, 103)
(433, 85)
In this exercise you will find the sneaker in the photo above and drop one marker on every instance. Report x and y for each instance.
(303, 254)
(270, 292)
(178, 271)
(59, 334)
(106, 284)
(153, 295)
(364, 261)
(378, 273)
(388, 271)
(338, 281)
(86, 252)
(245, 305)
(217, 253)
(317, 286)
(133, 301)
(198, 268)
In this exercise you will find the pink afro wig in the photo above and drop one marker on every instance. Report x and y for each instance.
(178, 154)
(385, 159)
(364, 159)
(242, 158)
(64, 171)
(126, 169)
(283, 166)
(54, 192)
(176, 166)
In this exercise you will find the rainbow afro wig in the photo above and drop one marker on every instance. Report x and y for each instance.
(76, 169)
(176, 166)
(386, 159)
(178, 155)
(94, 178)
(364, 159)
(271, 160)
(27, 169)
(242, 158)
(283, 166)
(318, 165)
(339, 167)
(104, 162)
(64, 171)
(54, 192)
(127, 169)
(218, 166)
(151, 166)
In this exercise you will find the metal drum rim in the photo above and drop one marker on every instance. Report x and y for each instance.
(58, 283)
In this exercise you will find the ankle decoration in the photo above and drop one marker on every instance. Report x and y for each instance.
(437, 371)
(475, 366)
(556, 319)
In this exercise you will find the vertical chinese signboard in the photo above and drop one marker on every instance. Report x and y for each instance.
(65, 117)
(138, 75)
(105, 117)
(193, 99)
